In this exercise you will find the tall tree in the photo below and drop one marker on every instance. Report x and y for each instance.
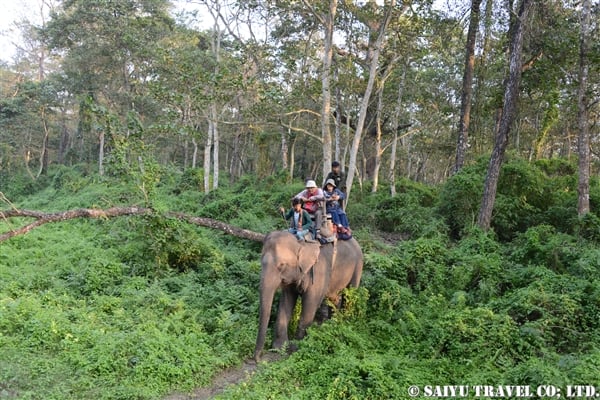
(467, 87)
(108, 49)
(509, 109)
(395, 123)
(378, 29)
(327, 20)
(583, 188)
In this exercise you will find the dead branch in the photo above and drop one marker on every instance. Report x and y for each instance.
(42, 218)
(221, 226)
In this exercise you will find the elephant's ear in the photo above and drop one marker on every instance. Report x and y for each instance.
(307, 256)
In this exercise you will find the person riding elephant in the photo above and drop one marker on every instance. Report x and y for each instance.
(333, 204)
(311, 196)
(305, 270)
(300, 221)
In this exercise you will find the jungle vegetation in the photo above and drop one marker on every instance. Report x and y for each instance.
(142, 306)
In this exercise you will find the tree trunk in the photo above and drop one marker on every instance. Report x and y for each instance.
(583, 188)
(338, 117)
(186, 152)
(194, 153)
(234, 164)
(328, 24)
(207, 152)
(101, 154)
(375, 51)
(467, 87)
(395, 124)
(378, 148)
(65, 137)
(292, 157)
(42, 218)
(511, 95)
(214, 117)
(215, 146)
(284, 149)
(44, 154)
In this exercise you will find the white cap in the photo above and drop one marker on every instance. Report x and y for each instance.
(311, 184)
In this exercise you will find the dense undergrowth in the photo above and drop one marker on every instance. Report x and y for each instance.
(137, 307)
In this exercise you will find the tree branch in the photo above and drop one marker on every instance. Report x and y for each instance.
(44, 218)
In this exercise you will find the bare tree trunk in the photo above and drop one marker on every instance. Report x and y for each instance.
(378, 149)
(395, 123)
(375, 51)
(393, 165)
(63, 147)
(467, 87)
(207, 152)
(583, 188)
(214, 117)
(44, 154)
(338, 117)
(234, 166)
(511, 95)
(194, 153)
(101, 154)
(292, 157)
(284, 149)
(42, 218)
(215, 146)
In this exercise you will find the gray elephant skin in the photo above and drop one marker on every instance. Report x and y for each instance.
(306, 270)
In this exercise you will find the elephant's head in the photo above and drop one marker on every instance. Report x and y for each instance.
(284, 261)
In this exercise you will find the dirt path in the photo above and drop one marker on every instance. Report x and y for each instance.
(228, 377)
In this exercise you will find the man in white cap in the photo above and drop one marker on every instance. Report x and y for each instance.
(311, 196)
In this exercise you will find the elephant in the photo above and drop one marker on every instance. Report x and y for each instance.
(310, 270)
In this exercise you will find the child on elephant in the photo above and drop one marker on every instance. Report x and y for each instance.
(299, 220)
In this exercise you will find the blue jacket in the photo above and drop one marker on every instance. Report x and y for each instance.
(333, 204)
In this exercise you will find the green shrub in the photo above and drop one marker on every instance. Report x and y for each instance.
(18, 184)
(460, 198)
(477, 266)
(555, 307)
(542, 245)
(424, 263)
(69, 179)
(190, 179)
(587, 227)
(178, 245)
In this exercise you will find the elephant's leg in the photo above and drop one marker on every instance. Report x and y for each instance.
(323, 313)
(287, 301)
(311, 300)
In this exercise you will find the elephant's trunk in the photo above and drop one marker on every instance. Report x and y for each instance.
(268, 286)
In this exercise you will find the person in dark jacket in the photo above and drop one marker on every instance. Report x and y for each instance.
(337, 175)
(338, 178)
(300, 222)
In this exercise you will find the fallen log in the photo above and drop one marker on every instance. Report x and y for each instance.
(42, 218)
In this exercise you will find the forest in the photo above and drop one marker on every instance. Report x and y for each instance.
(468, 134)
